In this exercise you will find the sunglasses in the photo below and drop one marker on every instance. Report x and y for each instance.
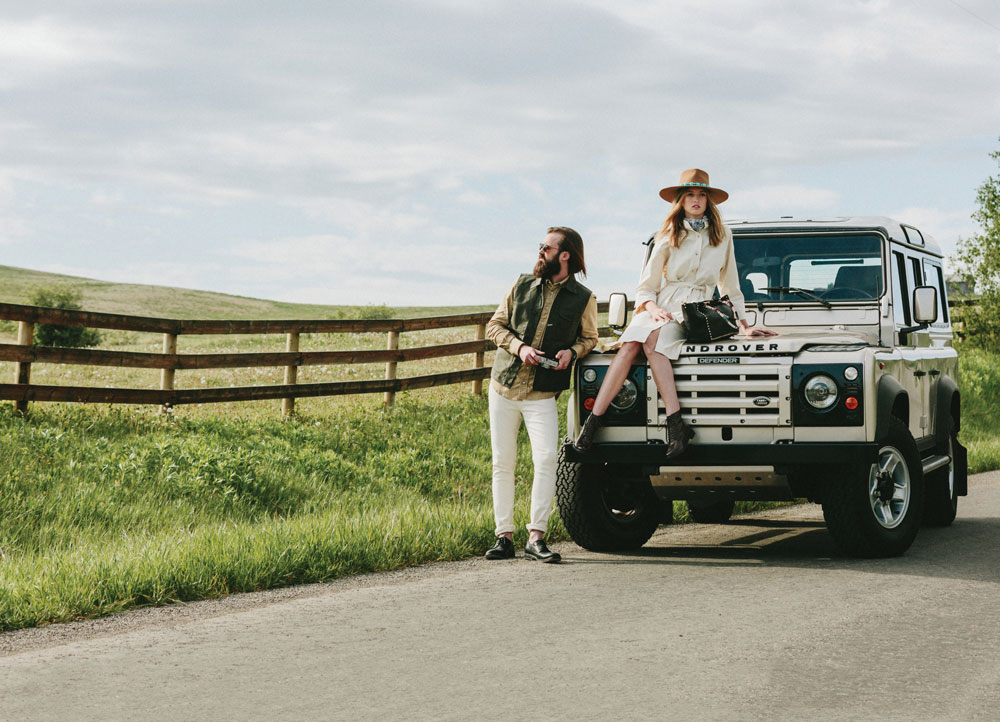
(545, 248)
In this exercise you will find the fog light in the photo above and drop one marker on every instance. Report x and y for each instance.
(851, 403)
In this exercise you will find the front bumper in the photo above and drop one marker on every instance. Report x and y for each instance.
(736, 455)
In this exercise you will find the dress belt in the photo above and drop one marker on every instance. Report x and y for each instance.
(685, 284)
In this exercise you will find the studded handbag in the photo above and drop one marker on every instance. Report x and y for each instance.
(710, 320)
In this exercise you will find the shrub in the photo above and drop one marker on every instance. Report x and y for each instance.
(371, 312)
(66, 336)
(975, 327)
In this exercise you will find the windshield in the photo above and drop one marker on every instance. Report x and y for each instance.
(803, 269)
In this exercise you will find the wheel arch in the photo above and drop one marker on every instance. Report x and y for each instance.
(949, 406)
(891, 400)
(948, 403)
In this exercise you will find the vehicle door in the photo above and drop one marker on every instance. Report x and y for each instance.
(940, 356)
(911, 348)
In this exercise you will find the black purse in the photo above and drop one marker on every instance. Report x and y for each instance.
(712, 320)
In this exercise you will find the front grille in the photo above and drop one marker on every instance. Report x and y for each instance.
(751, 394)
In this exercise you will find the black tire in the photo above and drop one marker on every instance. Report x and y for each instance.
(711, 512)
(876, 510)
(606, 507)
(941, 503)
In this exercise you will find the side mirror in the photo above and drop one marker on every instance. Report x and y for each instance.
(925, 305)
(617, 312)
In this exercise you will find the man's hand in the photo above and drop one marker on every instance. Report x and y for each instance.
(565, 358)
(529, 355)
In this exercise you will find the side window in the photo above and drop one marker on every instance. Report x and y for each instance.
(918, 277)
(934, 276)
(758, 281)
(900, 290)
(913, 236)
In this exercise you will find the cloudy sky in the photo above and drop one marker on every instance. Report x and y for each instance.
(414, 151)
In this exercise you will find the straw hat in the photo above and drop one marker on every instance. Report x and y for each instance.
(694, 178)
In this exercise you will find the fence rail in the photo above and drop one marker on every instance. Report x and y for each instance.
(24, 353)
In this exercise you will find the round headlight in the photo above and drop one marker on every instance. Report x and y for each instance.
(589, 375)
(626, 398)
(821, 391)
(850, 373)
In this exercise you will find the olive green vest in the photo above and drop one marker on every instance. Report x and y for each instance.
(561, 331)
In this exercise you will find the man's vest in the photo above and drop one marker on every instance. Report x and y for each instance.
(561, 331)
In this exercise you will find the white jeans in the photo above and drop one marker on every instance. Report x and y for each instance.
(542, 422)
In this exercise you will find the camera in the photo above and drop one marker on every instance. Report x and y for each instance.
(549, 363)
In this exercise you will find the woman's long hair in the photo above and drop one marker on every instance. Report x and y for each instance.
(674, 223)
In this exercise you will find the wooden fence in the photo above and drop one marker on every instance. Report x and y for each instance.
(24, 353)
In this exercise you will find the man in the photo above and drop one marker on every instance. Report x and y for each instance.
(546, 318)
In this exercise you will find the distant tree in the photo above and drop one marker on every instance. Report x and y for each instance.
(979, 257)
(66, 336)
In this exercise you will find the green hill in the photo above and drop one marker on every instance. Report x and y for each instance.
(18, 284)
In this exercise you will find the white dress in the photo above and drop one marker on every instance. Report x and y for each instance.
(675, 276)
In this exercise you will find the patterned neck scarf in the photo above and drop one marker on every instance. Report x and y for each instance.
(696, 224)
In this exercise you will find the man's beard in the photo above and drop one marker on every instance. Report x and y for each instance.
(547, 269)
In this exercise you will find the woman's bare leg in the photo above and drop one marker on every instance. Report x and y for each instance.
(663, 374)
(615, 377)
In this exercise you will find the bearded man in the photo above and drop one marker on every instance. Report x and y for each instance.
(546, 321)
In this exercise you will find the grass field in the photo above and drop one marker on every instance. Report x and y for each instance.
(105, 508)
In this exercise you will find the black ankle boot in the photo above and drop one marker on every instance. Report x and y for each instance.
(678, 435)
(586, 438)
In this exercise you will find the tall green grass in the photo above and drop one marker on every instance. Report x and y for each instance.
(980, 389)
(103, 509)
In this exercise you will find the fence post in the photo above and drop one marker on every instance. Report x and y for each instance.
(22, 371)
(477, 385)
(291, 375)
(167, 374)
(390, 366)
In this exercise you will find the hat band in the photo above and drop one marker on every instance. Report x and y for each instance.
(703, 185)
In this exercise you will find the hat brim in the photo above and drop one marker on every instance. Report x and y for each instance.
(716, 194)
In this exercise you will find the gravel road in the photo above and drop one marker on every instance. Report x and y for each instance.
(755, 619)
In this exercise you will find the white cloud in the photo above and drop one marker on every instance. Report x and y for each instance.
(432, 141)
(474, 198)
(106, 199)
(13, 230)
(50, 41)
(945, 227)
(783, 199)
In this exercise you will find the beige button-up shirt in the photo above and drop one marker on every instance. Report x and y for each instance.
(498, 331)
(690, 272)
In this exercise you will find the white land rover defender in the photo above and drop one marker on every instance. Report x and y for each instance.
(854, 405)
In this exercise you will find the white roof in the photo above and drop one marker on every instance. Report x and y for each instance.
(897, 231)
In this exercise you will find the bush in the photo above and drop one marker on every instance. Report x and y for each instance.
(975, 327)
(66, 336)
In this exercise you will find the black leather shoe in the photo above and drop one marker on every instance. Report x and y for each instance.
(586, 437)
(538, 550)
(503, 549)
(678, 435)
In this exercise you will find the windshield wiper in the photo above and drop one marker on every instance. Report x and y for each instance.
(799, 291)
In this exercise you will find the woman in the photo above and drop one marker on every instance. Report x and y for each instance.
(693, 254)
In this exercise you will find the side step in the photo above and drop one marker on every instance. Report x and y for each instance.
(932, 463)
